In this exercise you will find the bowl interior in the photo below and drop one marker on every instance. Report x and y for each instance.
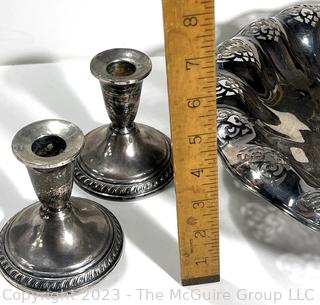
(268, 91)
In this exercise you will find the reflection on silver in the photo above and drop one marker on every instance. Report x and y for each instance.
(268, 110)
(123, 160)
(59, 244)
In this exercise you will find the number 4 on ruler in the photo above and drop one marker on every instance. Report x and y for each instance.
(190, 57)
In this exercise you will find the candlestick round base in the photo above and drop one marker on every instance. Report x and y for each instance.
(124, 166)
(60, 252)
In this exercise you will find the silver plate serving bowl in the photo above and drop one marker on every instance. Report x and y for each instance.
(268, 94)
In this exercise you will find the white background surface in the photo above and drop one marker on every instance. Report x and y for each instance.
(36, 31)
(262, 250)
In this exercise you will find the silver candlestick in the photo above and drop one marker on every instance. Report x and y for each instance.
(123, 160)
(61, 243)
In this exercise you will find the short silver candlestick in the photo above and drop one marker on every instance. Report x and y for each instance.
(123, 160)
(61, 243)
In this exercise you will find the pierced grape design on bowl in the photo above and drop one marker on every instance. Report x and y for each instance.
(268, 95)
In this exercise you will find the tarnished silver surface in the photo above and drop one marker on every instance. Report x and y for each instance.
(60, 244)
(123, 160)
(268, 93)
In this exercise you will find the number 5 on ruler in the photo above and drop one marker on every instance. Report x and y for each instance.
(190, 57)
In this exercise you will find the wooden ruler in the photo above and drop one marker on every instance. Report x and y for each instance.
(190, 55)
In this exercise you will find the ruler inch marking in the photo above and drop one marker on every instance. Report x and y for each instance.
(196, 14)
(206, 24)
(191, 78)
